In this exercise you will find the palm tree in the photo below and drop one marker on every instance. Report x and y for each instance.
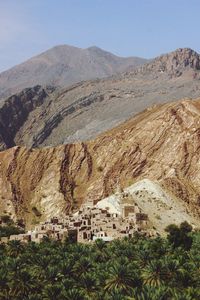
(72, 294)
(2, 249)
(52, 274)
(143, 257)
(101, 251)
(32, 248)
(34, 296)
(193, 293)
(158, 247)
(152, 293)
(38, 273)
(100, 245)
(154, 273)
(122, 278)
(66, 266)
(171, 267)
(184, 295)
(42, 261)
(184, 278)
(22, 284)
(4, 288)
(15, 248)
(82, 266)
(88, 284)
(52, 292)
(115, 295)
(14, 265)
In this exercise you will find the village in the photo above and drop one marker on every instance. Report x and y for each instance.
(92, 222)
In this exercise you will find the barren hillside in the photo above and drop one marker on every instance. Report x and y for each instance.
(84, 110)
(62, 66)
(161, 144)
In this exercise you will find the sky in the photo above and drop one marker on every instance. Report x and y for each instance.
(145, 28)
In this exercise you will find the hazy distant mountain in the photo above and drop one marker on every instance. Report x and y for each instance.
(64, 65)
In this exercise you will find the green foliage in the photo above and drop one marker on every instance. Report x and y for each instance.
(6, 219)
(130, 269)
(179, 236)
(6, 231)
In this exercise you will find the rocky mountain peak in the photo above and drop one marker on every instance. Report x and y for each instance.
(174, 63)
(181, 58)
(95, 49)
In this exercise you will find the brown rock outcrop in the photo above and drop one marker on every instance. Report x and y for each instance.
(161, 144)
(174, 63)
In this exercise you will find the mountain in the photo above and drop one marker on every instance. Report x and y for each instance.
(64, 65)
(174, 64)
(155, 154)
(41, 116)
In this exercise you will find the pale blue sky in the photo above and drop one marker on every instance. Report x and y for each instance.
(143, 28)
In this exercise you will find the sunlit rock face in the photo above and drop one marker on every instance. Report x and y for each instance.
(161, 144)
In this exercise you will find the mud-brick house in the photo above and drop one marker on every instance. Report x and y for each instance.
(25, 237)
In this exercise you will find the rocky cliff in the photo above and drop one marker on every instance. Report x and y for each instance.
(161, 144)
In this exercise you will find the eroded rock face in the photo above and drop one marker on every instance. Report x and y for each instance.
(161, 144)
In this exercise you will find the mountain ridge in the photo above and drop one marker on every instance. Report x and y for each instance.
(174, 62)
(63, 65)
(84, 110)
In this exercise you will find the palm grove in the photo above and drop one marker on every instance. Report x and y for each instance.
(136, 268)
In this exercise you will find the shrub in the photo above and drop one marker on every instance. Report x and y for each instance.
(6, 231)
(36, 211)
(179, 236)
(7, 220)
